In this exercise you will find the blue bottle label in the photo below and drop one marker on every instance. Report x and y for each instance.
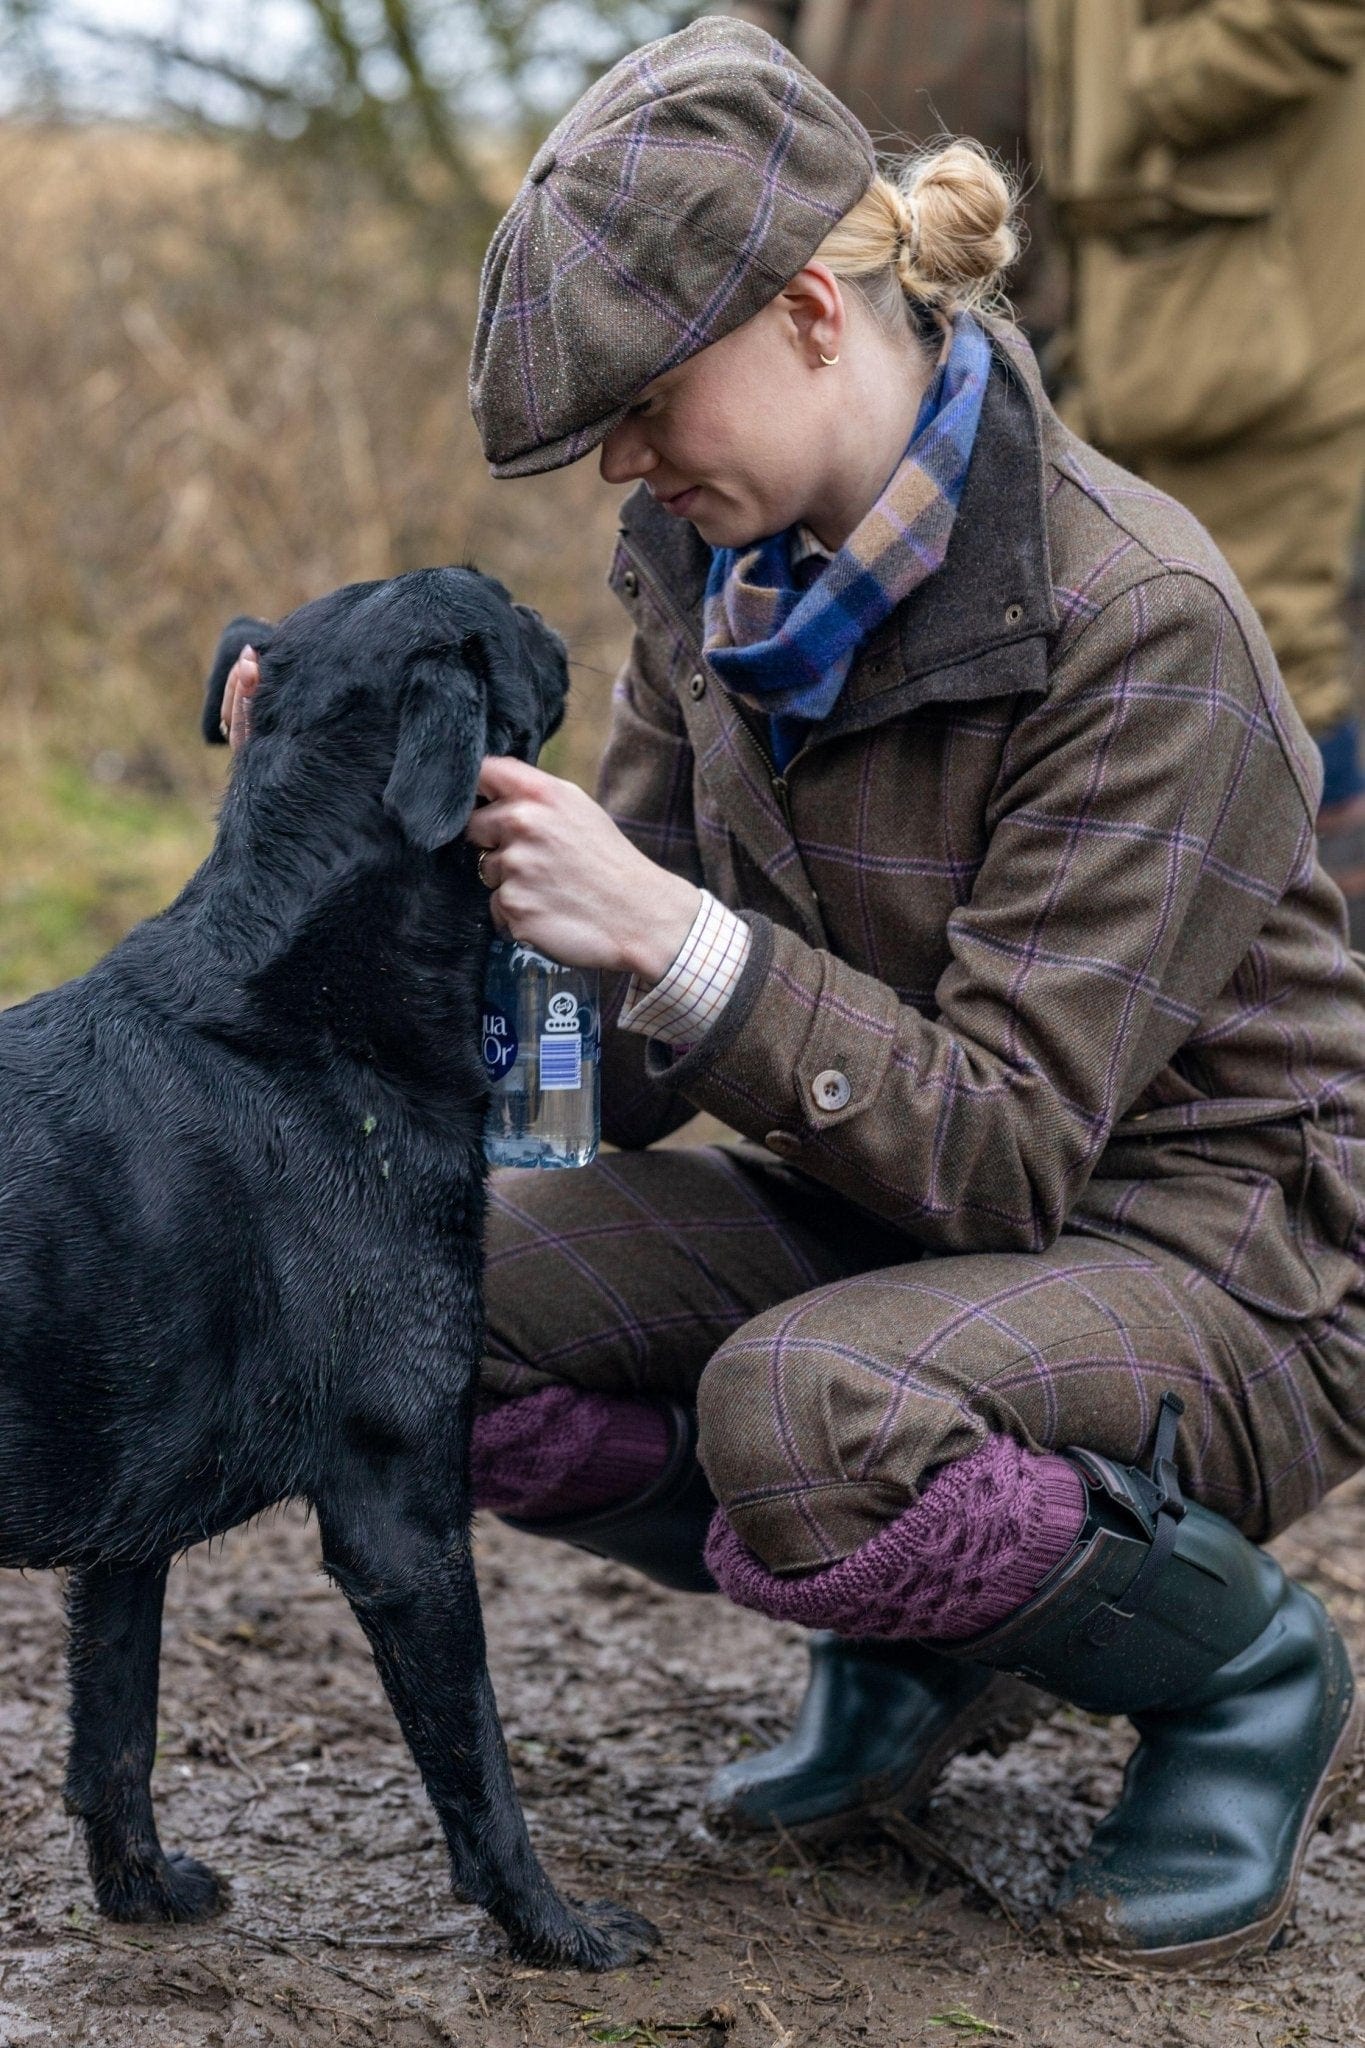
(561, 1044)
(499, 1043)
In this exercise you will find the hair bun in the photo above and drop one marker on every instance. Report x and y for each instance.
(936, 237)
(958, 234)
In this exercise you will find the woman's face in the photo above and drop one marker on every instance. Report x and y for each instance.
(736, 439)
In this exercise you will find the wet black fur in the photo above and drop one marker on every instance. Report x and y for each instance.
(241, 1208)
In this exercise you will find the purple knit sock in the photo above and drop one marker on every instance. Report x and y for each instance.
(982, 1537)
(562, 1451)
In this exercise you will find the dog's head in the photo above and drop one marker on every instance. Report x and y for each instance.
(440, 662)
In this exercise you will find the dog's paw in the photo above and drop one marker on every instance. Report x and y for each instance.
(606, 1937)
(179, 1889)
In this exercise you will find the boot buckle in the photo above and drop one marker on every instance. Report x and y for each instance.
(1165, 1476)
(1169, 1512)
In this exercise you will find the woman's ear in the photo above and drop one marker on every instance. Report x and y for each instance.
(814, 305)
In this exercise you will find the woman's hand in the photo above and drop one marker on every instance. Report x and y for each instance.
(244, 678)
(564, 878)
(567, 880)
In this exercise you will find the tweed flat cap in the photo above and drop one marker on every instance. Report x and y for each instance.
(670, 204)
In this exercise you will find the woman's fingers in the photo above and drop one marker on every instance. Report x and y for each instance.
(563, 876)
(229, 699)
(503, 776)
(483, 830)
(243, 681)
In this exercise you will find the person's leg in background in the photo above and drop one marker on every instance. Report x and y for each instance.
(948, 1452)
(1284, 505)
(608, 1290)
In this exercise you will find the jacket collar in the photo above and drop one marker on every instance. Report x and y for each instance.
(980, 626)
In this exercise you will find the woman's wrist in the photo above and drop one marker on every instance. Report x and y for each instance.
(651, 951)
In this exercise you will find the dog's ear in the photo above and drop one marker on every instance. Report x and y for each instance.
(523, 707)
(442, 739)
(243, 632)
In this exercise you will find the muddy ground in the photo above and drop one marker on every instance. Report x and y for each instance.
(279, 1764)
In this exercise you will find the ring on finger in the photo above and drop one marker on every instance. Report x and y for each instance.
(478, 868)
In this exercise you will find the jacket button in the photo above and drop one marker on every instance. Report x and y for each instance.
(830, 1089)
(785, 1144)
(1013, 614)
(630, 583)
(696, 686)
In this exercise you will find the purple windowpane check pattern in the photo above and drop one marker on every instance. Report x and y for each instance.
(1070, 947)
(672, 202)
(1049, 902)
(834, 1371)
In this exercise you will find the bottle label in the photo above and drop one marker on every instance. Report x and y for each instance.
(499, 1044)
(561, 1044)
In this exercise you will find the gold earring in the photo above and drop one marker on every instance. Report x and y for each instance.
(829, 361)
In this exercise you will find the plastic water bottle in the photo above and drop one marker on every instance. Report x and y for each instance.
(541, 1047)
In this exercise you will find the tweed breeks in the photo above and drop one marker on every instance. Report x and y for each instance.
(833, 1368)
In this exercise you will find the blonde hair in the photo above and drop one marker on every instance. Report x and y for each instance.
(936, 237)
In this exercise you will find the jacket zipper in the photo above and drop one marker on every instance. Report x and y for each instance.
(780, 786)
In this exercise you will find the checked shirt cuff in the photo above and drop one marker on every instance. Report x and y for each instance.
(694, 991)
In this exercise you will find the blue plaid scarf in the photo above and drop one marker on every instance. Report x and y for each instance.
(787, 649)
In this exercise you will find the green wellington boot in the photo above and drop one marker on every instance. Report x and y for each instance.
(877, 1726)
(879, 1720)
(1248, 1719)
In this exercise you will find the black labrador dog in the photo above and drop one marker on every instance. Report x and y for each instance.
(241, 1209)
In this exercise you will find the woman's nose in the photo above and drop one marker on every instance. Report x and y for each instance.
(626, 455)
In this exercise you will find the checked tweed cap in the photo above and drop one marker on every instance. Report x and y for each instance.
(670, 204)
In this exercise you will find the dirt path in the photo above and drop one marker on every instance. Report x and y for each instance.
(280, 1764)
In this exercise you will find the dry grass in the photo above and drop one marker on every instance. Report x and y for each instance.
(224, 391)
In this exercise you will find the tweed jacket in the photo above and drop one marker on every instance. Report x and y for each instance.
(1039, 938)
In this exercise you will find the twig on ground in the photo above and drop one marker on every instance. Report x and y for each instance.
(283, 1948)
(325, 1935)
(964, 2022)
(783, 2037)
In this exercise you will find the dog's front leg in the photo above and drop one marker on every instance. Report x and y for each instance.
(115, 1651)
(409, 1576)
